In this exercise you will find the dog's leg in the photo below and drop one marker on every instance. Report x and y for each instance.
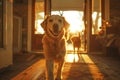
(78, 53)
(59, 71)
(74, 53)
(49, 66)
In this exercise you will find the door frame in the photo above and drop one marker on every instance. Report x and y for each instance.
(88, 15)
(30, 24)
(18, 48)
(6, 53)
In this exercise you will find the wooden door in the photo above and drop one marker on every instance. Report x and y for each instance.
(37, 31)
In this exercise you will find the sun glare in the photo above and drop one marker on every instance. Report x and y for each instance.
(39, 17)
(75, 19)
(38, 28)
(96, 17)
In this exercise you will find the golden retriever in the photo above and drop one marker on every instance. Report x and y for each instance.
(54, 44)
(76, 42)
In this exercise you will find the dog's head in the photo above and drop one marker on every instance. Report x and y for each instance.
(55, 24)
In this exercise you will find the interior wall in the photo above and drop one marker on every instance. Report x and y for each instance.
(1, 24)
(115, 16)
(6, 52)
(20, 9)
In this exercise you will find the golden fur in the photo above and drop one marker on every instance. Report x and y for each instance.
(76, 42)
(54, 44)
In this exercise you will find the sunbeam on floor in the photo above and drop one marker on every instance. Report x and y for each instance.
(72, 58)
(85, 59)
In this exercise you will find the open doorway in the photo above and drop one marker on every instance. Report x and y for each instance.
(75, 19)
(75, 15)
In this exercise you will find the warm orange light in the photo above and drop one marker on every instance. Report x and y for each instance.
(39, 18)
(96, 17)
(73, 17)
(38, 28)
(75, 20)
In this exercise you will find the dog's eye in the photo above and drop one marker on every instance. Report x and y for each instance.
(50, 20)
(60, 20)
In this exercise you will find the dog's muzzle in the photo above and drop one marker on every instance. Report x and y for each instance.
(56, 28)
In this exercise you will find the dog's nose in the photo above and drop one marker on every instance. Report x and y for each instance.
(56, 28)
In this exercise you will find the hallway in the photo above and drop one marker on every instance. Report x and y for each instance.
(87, 67)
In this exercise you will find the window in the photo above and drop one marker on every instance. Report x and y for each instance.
(96, 16)
(1, 23)
(39, 16)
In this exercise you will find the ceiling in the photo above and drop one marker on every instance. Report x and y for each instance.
(69, 5)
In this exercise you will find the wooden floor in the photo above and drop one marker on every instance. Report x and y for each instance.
(85, 67)
(31, 73)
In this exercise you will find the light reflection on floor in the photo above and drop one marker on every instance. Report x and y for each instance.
(70, 48)
(82, 58)
(71, 58)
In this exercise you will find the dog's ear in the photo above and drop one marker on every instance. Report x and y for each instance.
(66, 24)
(44, 23)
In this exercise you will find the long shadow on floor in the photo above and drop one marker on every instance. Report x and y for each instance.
(78, 69)
(92, 67)
(108, 65)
